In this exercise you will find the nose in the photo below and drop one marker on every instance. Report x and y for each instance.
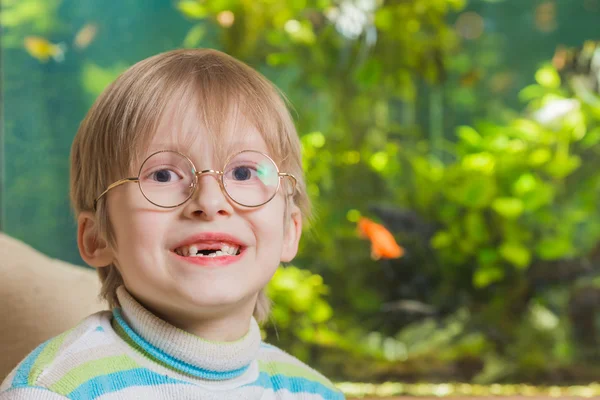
(208, 200)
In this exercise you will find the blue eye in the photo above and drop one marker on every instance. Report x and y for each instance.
(164, 176)
(242, 173)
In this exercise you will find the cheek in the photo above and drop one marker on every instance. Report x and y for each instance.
(268, 227)
(137, 231)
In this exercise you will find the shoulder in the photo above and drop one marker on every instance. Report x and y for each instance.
(285, 372)
(46, 366)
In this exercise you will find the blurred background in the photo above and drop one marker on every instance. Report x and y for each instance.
(451, 150)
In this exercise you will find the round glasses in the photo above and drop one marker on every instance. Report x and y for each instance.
(168, 179)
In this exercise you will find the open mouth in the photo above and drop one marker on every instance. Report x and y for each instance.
(209, 250)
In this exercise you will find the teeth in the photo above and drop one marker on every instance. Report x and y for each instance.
(192, 251)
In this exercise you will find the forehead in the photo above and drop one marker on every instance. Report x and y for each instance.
(206, 139)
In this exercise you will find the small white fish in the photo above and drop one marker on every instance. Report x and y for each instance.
(554, 110)
(409, 306)
(85, 36)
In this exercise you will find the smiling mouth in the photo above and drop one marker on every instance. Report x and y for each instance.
(209, 250)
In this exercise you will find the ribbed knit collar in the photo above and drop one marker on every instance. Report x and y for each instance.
(180, 350)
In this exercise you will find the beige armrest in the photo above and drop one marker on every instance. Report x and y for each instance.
(40, 297)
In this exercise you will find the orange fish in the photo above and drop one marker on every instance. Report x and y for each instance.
(383, 244)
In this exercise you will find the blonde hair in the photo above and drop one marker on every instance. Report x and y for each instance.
(118, 128)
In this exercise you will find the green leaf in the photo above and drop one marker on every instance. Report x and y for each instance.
(194, 36)
(508, 207)
(300, 32)
(554, 248)
(350, 157)
(192, 9)
(481, 162)
(279, 59)
(487, 256)
(476, 227)
(468, 135)
(379, 161)
(541, 196)
(548, 77)
(95, 78)
(301, 298)
(384, 19)
(458, 5)
(516, 254)
(353, 215)
(562, 167)
(485, 275)
(525, 183)
(591, 138)
(528, 130)
(531, 92)
(285, 279)
(314, 139)
(281, 316)
(539, 157)
(441, 240)
(320, 312)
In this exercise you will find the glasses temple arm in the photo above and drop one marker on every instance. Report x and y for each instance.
(294, 180)
(112, 186)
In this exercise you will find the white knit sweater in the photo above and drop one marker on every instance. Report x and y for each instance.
(132, 354)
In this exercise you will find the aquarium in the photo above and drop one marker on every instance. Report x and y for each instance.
(451, 151)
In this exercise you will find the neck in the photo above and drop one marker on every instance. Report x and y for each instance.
(220, 324)
(227, 327)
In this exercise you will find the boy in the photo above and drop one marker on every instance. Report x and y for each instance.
(187, 184)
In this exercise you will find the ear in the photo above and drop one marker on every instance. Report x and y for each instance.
(292, 234)
(94, 250)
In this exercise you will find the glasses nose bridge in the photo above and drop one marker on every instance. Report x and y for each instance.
(194, 187)
(215, 172)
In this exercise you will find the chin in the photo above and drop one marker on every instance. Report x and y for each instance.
(216, 295)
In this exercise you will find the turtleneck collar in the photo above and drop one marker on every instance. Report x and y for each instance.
(180, 350)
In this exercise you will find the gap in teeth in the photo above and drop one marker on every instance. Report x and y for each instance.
(192, 251)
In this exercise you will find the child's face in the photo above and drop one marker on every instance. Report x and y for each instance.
(149, 238)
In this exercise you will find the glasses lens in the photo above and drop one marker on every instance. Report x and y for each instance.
(251, 178)
(167, 179)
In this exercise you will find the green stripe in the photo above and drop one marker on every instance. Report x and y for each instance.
(91, 369)
(278, 367)
(123, 335)
(46, 357)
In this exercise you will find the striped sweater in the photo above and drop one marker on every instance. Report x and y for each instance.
(131, 354)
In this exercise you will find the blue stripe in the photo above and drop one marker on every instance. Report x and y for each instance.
(269, 346)
(295, 385)
(172, 361)
(116, 381)
(22, 374)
